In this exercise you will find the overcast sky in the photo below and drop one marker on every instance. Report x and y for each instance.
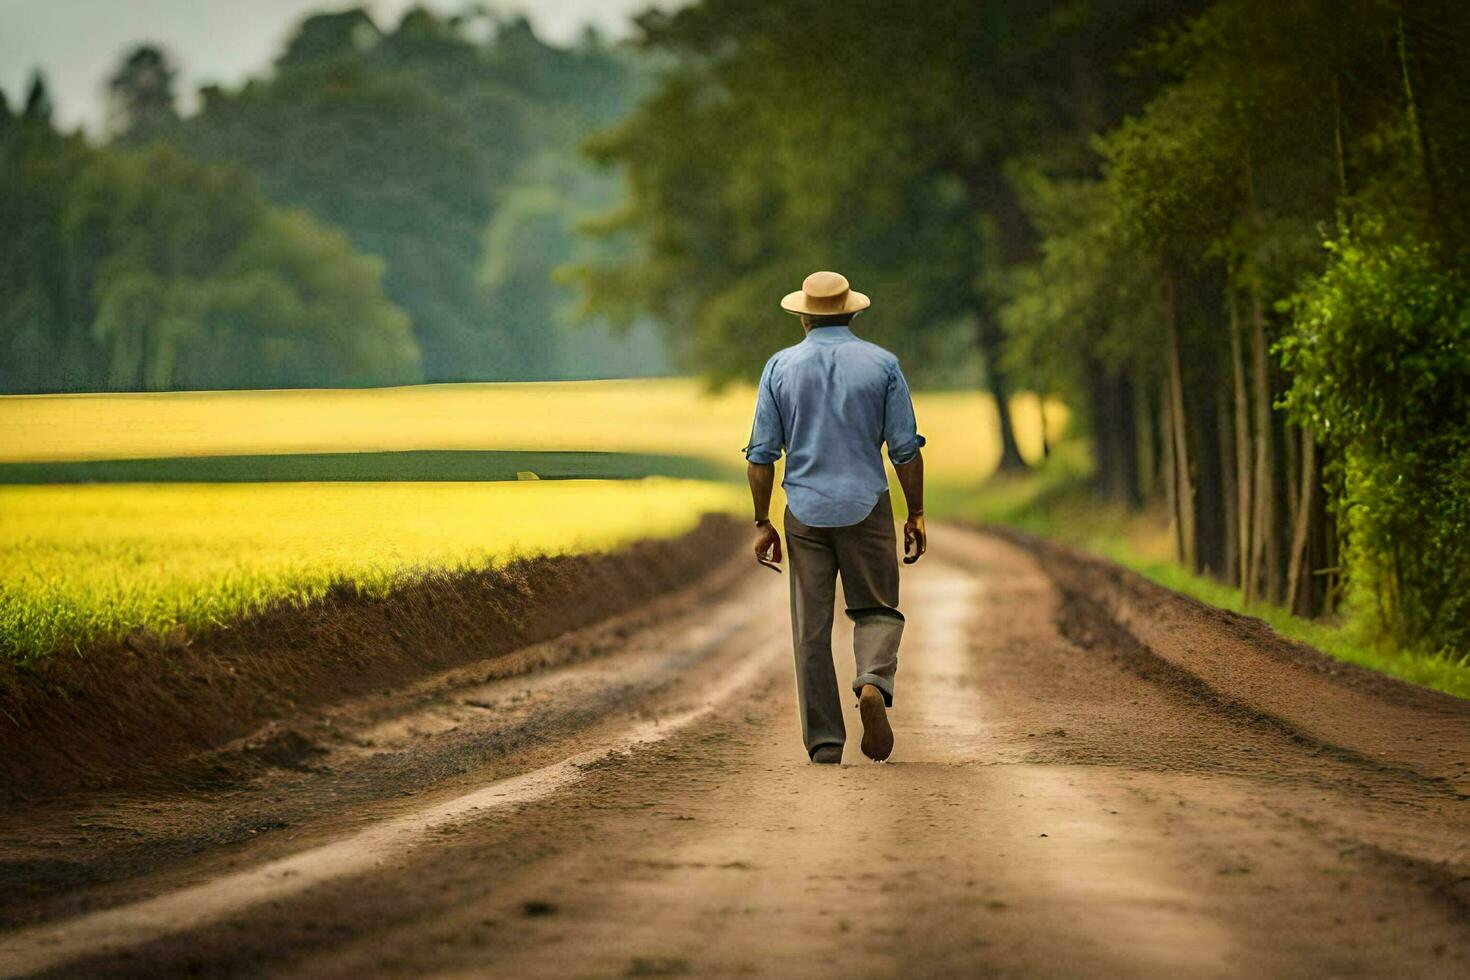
(78, 42)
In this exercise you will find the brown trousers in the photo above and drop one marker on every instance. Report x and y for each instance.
(865, 556)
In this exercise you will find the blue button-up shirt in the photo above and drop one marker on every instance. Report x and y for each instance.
(831, 402)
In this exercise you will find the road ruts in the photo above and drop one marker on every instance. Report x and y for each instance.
(1054, 807)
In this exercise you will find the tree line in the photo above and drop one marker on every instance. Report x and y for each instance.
(381, 206)
(1231, 235)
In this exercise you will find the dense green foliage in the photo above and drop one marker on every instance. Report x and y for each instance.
(878, 146)
(1283, 122)
(1123, 205)
(142, 269)
(445, 148)
(1380, 363)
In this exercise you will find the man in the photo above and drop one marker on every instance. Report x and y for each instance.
(830, 403)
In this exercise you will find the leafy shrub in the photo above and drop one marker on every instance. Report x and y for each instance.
(1379, 349)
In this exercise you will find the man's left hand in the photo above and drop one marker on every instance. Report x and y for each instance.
(767, 545)
(915, 539)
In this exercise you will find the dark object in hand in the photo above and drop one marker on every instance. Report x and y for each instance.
(915, 539)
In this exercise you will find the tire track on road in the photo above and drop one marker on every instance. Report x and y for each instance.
(48, 946)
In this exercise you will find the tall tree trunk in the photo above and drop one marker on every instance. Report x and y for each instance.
(1224, 426)
(1416, 132)
(1263, 520)
(1319, 553)
(1264, 578)
(993, 197)
(1208, 470)
(1242, 450)
(1114, 435)
(1180, 428)
(1278, 532)
(1211, 510)
(1168, 466)
(1334, 580)
(1297, 568)
(1146, 445)
(1010, 452)
(1291, 476)
(1127, 439)
(988, 337)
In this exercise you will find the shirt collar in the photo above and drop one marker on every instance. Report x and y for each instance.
(828, 335)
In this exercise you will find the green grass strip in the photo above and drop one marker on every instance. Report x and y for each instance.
(1055, 501)
(448, 466)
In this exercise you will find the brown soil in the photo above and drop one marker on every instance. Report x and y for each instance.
(152, 709)
(1093, 776)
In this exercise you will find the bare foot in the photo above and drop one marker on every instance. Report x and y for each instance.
(877, 733)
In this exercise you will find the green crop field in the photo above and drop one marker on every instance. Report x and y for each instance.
(443, 465)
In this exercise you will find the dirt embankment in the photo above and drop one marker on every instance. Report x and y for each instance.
(140, 711)
(1237, 665)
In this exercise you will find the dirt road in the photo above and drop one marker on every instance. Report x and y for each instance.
(1092, 777)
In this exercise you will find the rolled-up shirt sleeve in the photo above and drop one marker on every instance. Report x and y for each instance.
(767, 434)
(900, 429)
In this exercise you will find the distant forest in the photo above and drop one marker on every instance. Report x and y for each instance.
(382, 206)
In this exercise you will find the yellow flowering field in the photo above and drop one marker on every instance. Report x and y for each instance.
(672, 416)
(79, 562)
(82, 562)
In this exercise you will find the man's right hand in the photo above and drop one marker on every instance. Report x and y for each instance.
(915, 539)
(767, 543)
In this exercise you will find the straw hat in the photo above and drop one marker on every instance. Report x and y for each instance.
(825, 294)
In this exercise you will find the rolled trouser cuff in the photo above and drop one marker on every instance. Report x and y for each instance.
(882, 684)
